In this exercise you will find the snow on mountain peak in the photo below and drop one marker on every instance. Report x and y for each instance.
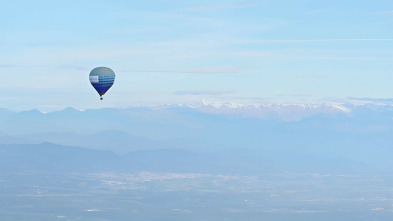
(204, 103)
(289, 112)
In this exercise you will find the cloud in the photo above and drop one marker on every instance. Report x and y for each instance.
(358, 100)
(378, 209)
(249, 99)
(216, 70)
(305, 79)
(75, 67)
(385, 12)
(310, 211)
(10, 66)
(66, 67)
(208, 70)
(372, 100)
(299, 96)
(217, 7)
(203, 92)
(320, 40)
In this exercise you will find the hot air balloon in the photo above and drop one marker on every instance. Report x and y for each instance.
(102, 79)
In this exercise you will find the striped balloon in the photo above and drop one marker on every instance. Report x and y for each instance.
(102, 79)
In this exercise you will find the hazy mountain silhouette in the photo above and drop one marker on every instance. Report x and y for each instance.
(361, 133)
(57, 158)
(52, 157)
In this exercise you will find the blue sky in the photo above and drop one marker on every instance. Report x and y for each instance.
(183, 51)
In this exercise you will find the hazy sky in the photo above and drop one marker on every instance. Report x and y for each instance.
(168, 51)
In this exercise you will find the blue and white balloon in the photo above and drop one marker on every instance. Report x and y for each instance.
(102, 78)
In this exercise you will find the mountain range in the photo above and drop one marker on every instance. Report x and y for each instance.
(280, 134)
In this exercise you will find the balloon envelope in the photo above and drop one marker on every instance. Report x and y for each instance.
(102, 79)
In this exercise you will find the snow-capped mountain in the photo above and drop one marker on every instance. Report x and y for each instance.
(336, 129)
(286, 112)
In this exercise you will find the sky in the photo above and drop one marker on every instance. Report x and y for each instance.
(169, 51)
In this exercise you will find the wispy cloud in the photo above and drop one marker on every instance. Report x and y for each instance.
(75, 67)
(203, 92)
(385, 12)
(247, 99)
(10, 66)
(372, 100)
(378, 209)
(207, 70)
(300, 96)
(305, 79)
(217, 7)
(357, 100)
(321, 40)
(67, 67)
(217, 70)
(317, 11)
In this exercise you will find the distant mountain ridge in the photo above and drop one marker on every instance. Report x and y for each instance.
(288, 112)
(48, 157)
(361, 133)
(136, 120)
